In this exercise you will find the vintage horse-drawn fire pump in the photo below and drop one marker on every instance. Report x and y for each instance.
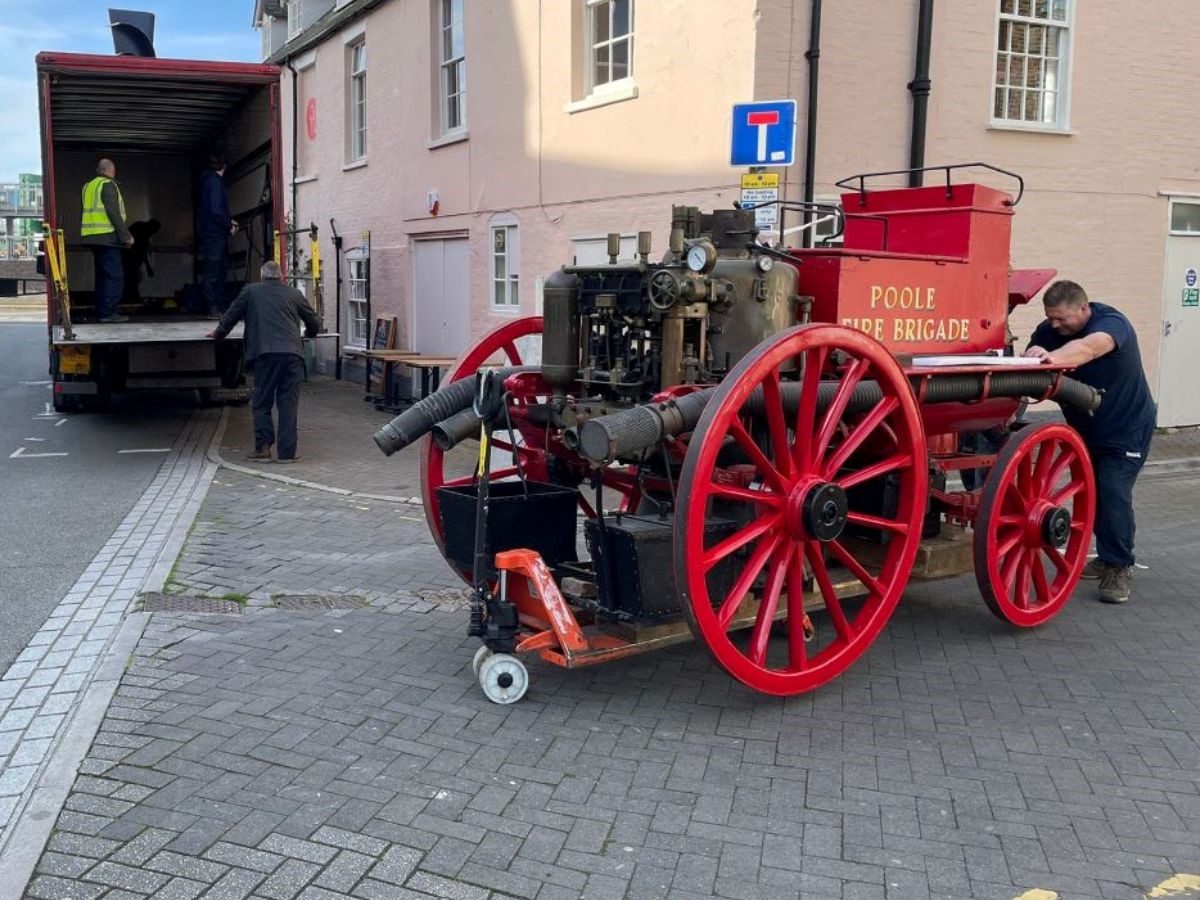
(758, 446)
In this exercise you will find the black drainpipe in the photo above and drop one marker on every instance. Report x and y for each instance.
(337, 298)
(810, 144)
(920, 87)
(295, 161)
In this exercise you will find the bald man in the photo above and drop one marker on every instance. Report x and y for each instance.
(104, 230)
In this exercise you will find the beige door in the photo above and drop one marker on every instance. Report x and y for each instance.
(1178, 393)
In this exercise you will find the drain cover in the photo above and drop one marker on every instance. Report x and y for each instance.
(182, 603)
(319, 601)
(454, 598)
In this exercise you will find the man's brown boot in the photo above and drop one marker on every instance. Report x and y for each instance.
(260, 454)
(1094, 569)
(1115, 584)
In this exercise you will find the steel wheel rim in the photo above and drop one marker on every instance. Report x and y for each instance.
(1024, 579)
(778, 548)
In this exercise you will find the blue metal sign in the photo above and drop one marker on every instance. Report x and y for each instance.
(764, 133)
(1190, 277)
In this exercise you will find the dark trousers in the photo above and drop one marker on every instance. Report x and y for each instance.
(110, 280)
(1115, 474)
(277, 379)
(214, 270)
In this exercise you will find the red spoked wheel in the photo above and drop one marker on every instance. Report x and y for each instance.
(535, 447)
(1035, 524)
(798, 460)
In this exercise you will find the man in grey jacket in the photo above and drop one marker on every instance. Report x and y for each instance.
(106, 232)
(273, 313)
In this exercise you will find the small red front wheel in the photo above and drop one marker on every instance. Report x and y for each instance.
(1035, 524)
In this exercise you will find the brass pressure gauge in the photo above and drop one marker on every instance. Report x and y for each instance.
(765, 263)
(701, 257)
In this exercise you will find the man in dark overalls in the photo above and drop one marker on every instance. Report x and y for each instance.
(1101, 343)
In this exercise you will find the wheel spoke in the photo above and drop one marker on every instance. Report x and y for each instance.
(1007, 544)
(510, 350)
(761, 635)
(737, 540)
(748, 495)
(837, 408)
(1064, 461)
(869, 581)
(797, 646)
(1059, 561)
(1024, 575)
(806, 414)
(1067, 493)
(776, 426)
(1015, 521)
(1046, 453)
(765, 466)
(729, 606)
(870, 422)
(1008, 568)
(883, 467)
(878, 523)
(833, 604)
(1040, 584)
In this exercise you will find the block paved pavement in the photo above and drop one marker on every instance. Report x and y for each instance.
(349, 753)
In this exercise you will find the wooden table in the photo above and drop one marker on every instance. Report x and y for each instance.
(430, 368)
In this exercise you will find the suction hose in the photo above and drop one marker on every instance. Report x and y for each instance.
(444, 403)
(630, 431)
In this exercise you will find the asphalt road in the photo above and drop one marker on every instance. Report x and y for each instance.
(57, 511)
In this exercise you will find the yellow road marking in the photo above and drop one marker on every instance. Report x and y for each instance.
(1038, 894)
(1176, 884)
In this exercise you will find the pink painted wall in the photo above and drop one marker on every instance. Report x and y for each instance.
(1092, 207)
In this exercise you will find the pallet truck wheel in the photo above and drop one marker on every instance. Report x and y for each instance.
(503, 678)
(477, 661)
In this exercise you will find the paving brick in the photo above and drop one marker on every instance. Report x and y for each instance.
(288, 880)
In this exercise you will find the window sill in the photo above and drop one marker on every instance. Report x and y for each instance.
(603, 97)
(304, 179)
(505, 310)
(451, 137)
(357, 164)
(1033, 129)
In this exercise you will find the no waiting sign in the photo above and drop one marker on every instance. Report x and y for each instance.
(762, 187)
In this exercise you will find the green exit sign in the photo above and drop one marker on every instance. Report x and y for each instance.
(1191, 296)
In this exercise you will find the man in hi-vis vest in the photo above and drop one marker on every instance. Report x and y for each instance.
(105, 232)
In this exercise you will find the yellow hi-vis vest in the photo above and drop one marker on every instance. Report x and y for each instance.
(95, 218)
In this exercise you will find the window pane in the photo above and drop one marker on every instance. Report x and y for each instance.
(498, 239)
(1016, 71)
(600, 14)
(498, 297)
(1037, 39)
(1052, 38)
(1019, 37)
(457, 43)
(1185, 217)
(1060, 10)
(1024, 7)
(447, 13)
(1041, 9)
(1050, 107)
(620, 60)
(452, 87)
(998, 109)
(1014, 104)
(1006, 6)
(1034, 75)
(514, 296)
(620, 17)
(601, 73)
(1032, 106)
(501, 260)
(1002, 41)
(460, 69)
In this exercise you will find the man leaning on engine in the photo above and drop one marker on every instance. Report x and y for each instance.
(1100, 342)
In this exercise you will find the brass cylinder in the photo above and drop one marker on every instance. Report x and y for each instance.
(614, 247)
(644, 245)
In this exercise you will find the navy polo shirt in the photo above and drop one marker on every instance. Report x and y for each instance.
(1126, 417)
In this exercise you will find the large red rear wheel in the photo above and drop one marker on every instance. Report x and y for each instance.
(1035, 524)
(799, 468)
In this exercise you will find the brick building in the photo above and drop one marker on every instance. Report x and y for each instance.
(483, 144)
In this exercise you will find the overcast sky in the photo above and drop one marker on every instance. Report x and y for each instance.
(189, 29)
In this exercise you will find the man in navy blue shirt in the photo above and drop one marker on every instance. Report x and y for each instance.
(214, 228)
(1102, 345)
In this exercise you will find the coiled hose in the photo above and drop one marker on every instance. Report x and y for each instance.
(630, 431)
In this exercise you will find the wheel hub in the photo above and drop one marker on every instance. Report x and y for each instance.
(824, 511)
(1056, 526)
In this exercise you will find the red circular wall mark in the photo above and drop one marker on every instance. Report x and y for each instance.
(310, 116)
